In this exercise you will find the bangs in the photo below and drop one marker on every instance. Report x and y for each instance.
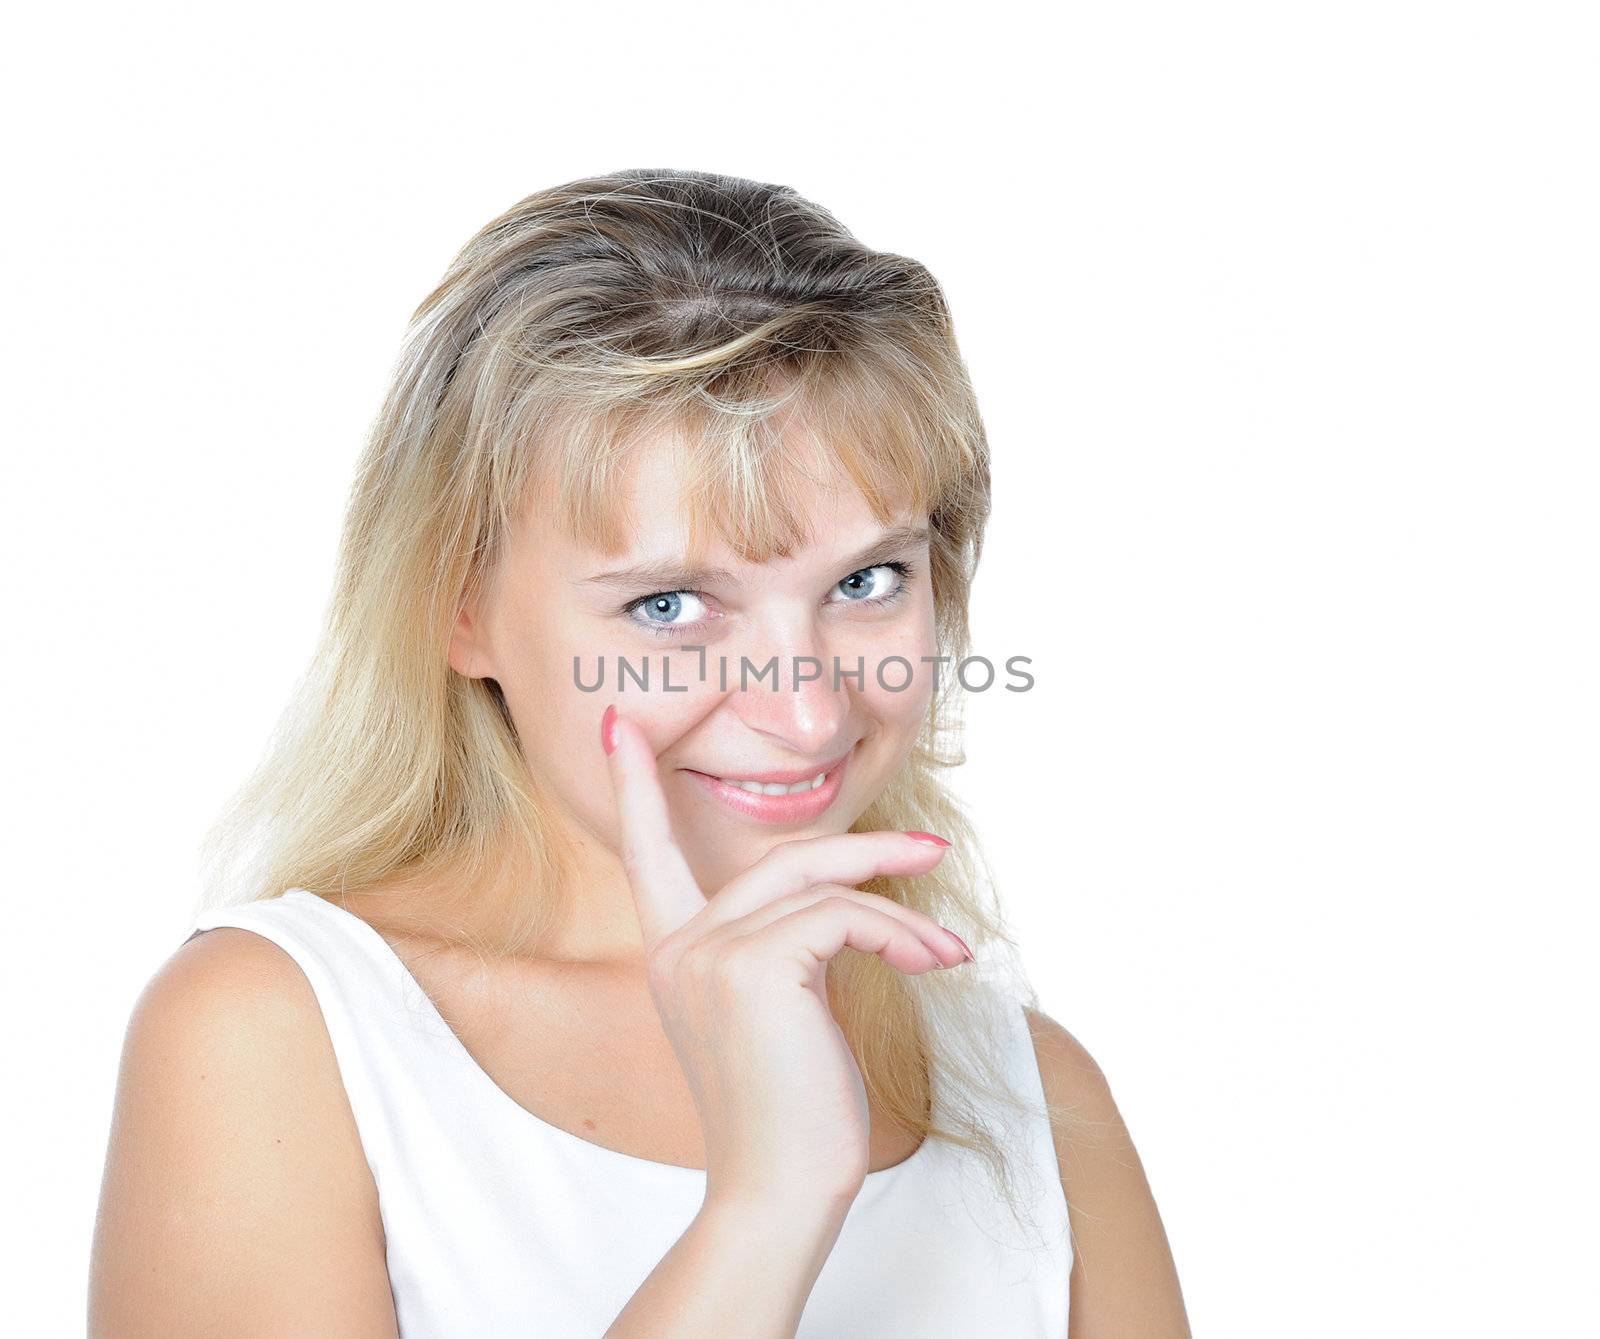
(748, 444)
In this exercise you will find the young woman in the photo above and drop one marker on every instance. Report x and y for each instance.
(589, 955)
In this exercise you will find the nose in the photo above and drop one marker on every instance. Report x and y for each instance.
(792, 701)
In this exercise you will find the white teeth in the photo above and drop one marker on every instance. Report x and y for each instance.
(774, 787)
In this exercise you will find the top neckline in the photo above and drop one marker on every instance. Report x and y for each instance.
(368, 934)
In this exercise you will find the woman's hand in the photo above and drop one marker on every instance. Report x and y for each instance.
(740, 982)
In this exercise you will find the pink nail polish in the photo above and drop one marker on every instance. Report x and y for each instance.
(961, 941)
(608, 730)
(927, 837)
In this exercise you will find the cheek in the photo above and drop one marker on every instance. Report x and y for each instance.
(558, 709)
(901, 712)
(897, 659)
(558, 724)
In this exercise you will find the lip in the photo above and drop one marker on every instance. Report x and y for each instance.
(797, 808)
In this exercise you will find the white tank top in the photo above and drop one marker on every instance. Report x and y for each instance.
(501, 1224)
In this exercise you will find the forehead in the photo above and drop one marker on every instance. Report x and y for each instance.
(670, 494)
(664, 514)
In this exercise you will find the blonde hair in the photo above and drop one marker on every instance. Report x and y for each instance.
(580, 320)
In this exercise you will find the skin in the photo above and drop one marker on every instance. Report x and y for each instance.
(236, 1194)
(740, 982)
(541, 612)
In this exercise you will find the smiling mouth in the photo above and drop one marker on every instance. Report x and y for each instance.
(774, 787)
(780, 797)
(789, 779)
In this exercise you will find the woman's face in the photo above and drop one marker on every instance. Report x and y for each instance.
(842, 600)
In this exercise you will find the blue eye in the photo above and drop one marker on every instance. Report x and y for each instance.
(666, 609)
(872, 585)
(672, 613)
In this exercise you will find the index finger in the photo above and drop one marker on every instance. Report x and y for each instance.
(665, 891)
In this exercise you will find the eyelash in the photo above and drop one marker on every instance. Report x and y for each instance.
(670, 632)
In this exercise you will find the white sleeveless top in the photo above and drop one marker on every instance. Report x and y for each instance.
(501, 1224)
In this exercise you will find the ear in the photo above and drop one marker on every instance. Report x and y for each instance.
(469, 652)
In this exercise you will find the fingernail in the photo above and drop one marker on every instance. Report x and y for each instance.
(608, 730)
(960, 941)
(927, 837)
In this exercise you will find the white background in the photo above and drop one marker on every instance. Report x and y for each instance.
(1284, 319)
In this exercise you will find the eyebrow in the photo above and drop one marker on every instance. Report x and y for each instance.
(670, 575)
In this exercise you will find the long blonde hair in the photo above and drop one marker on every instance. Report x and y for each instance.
(581, 319)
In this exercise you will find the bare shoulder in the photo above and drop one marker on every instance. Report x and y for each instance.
(1124, 1280)
(236, 1197)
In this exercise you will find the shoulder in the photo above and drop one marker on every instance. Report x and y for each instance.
(223, 967)
(238, 1001)
(1124, 1280)
(1069, 1072)
(234, 1164)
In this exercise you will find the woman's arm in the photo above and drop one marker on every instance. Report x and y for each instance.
(1124, 1282)
(740, 982)
(236, 1198)
(738, 1269)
